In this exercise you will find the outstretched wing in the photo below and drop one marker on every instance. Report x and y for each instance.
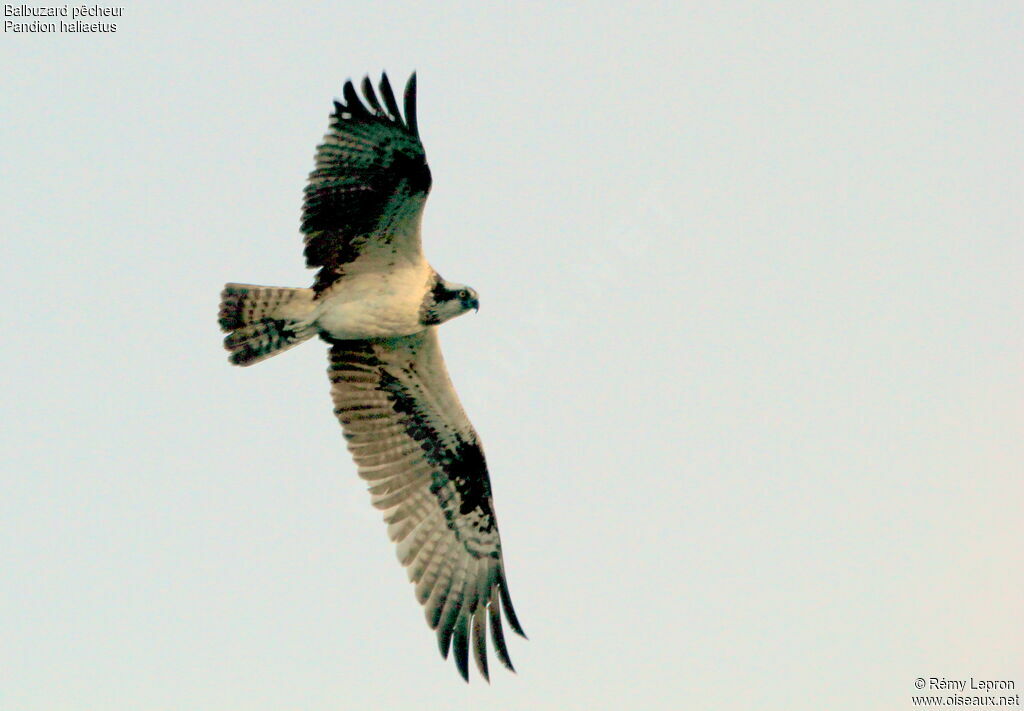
(365, 198)
(412, 441)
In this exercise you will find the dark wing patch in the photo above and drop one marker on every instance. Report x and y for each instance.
(366, 194)
(463, 465)
(412, 441)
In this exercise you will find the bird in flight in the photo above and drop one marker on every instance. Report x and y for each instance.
(377, 302)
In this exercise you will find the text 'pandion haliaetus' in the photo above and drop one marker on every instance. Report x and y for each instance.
(378, 303)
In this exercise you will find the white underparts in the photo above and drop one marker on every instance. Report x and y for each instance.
(375, 304)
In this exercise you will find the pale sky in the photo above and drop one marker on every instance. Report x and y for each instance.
(747, 369)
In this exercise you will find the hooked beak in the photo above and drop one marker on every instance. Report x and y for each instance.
(474, 300)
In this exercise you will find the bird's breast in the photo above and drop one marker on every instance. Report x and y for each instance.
(375, 304)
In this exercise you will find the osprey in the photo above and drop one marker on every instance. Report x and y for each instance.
(378, 303)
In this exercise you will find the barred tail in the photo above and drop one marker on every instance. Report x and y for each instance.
(262, 321)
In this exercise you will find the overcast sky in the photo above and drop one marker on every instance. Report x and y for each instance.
(747, 368)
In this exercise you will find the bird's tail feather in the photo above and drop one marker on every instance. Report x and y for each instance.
(262, 321)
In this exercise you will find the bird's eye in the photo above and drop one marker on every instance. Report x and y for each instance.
(463, 294)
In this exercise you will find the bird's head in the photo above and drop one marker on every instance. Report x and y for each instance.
(446, 300)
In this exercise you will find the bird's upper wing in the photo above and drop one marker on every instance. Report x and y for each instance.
(414, 445)
(364, 200)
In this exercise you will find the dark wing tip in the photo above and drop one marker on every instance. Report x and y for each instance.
(410, 106)
(389, 99)
(444, 638)
(386, 107)
(479, 630)
(510, 613)
(497, 635)
(460, 646)
(371, 96)
(353, 105)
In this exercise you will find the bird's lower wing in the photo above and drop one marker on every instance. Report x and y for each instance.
(412, 442)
